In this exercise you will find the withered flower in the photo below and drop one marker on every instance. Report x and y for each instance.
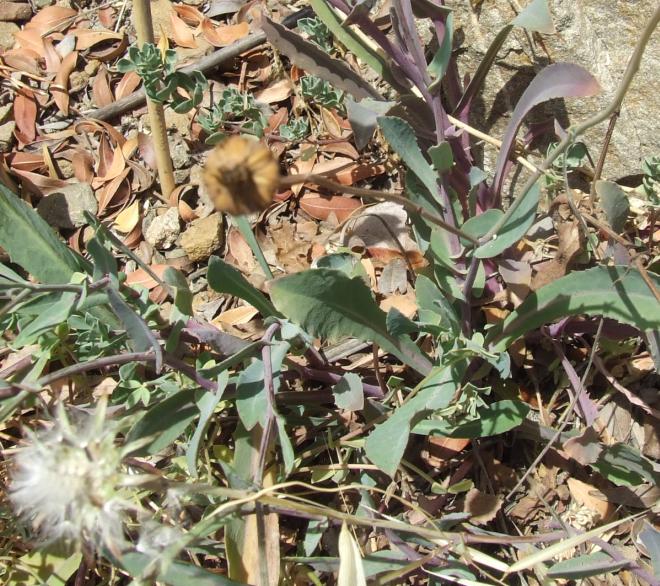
(241, 176)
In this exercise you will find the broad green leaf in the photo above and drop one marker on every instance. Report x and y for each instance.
(614, 202)
(442, 157)
(478, 225)
(515, 226)
(224, 278)
(348, 392)
(387, 442)
(251, 399)
(206, 405)
(141, 336)
(434, 308)
(33, 244)
(499, 417)
(619, 293)
(351, 571)
(625, 466)
(535, 17)
(52, 566)
(57, 313)
(401, 137)
(165, 422)
(328, 304)
(585, 566)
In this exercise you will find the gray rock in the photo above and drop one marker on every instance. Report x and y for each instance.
(7, 136)
(163, 231)
(203, 237)
(64, 208)
(599, 36)
(14, 11)
(7, 30)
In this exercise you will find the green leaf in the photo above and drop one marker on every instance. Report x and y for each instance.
(348, 392)
(494, 419)
(535, 17)
(438, 66)
(401, 137)
(224, 278)
(181, 291)
(138, 331)
(288, 453)
(165, 422)
(387, 442)
(479, 225)
(328, 304)
(625, 466)
(619, 293)
(206, 405)
(32, 243)
(585, 566)
(176, 574)
(614, 202)
(57, 313)
(51, 566)
(363, 116)
(442, 157)
(515, 226)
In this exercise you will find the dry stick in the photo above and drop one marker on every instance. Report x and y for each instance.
(323, 181)
(145, 34)
(205, 64)
(603, 155)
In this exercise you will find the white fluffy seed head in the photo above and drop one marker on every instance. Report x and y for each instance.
(66, 483)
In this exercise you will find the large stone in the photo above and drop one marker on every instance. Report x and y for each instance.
(7, 31)
(163, 230)
(203, 237)
(64, 208)
(13, 11)
(7, 136)
(597, 35)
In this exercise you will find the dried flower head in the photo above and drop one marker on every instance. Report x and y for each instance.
(67, 482)
(241, 175)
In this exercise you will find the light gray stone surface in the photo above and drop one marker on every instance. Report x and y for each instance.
(597, 35)
(64, 208)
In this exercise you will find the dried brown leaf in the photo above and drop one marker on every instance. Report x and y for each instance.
(320, 207)
(60, 88)
(224, 35)
(482, 507)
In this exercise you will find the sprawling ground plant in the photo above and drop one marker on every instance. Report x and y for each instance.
(221, 413)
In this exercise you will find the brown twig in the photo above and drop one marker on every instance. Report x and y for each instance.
(603, 155)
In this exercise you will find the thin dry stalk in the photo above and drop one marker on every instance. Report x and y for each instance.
(145, 34)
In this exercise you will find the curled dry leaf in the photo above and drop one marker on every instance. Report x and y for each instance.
(32, 41)
(127, 219)
(181, 33)
(25, 115)
(51, 18)
(60, 88)
(237, 316)
(277, 91)
(189, 14)
(320, 207)
(114, 193)
(241, 176)
(143, 279)
(101, 92)
(224, 35)
(584, 495)
(87, 38)
(127, 85)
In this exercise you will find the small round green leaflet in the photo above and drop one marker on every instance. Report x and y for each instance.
(515, 226)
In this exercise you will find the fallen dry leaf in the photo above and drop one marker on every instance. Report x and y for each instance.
(236, 316)
(181, 33)
(143, 279)
(101, 92)
(583, 494)
(482, 507)
(60, 88)
(277, 91)
(224, 35)
(320, 207)
(128, 218)
(50, 18)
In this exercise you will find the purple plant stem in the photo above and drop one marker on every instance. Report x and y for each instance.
(332, 378)
(633, 566)
(587, 407)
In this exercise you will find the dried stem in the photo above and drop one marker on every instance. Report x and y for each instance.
(145, 34)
